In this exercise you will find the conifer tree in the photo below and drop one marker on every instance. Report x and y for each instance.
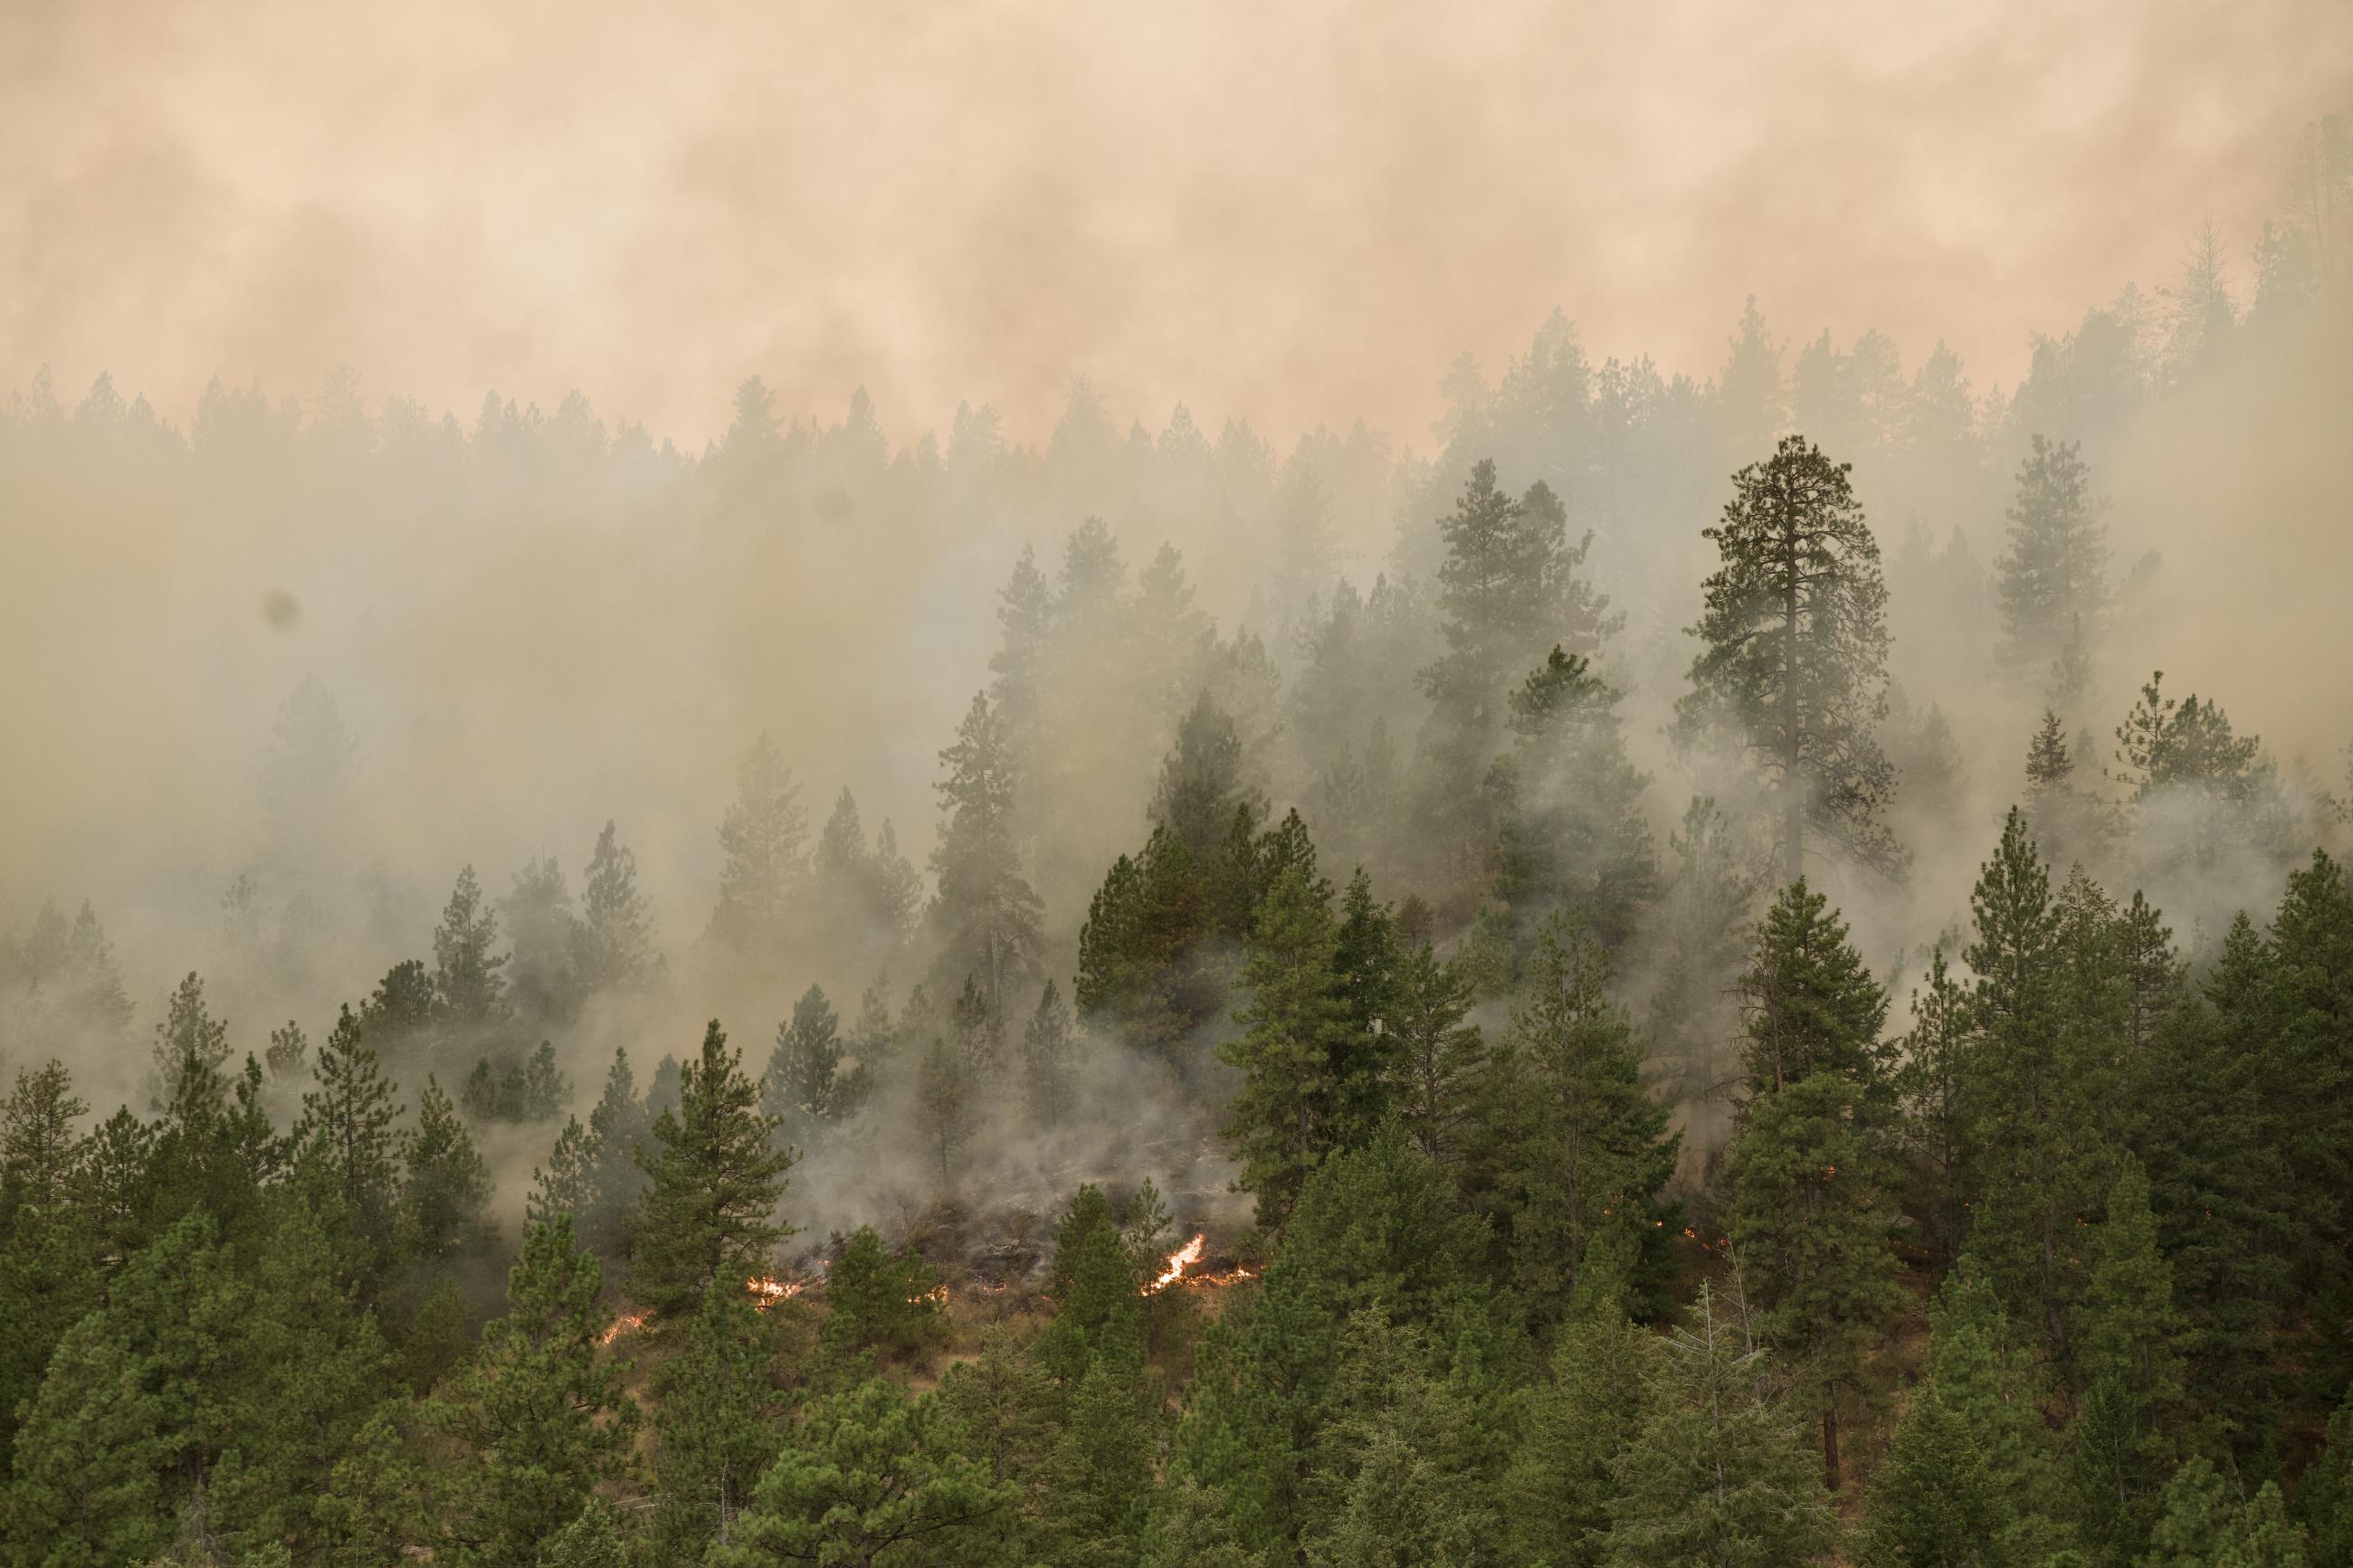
(344, 1141)
(1558, 1492)
(190, 1050)
(40, 1136)
(470, 986)
(612, 942)
(2062, 815)
(1584, 1150)
(1717, 1473)
(804, 1092)
(710, 1213)
(984, 912)
(1511, 586)
(1934, 1129)
(2032, 1125)
(1793, 662)
(714, 1429)
(540, 923)
(617, 1128)
(446, 1187)
(2053, 581)
(1295, 1029)
(2324, 1497)
(538, 1418)
(764, 837)
(880, 1300)
(1569, 802)
(1437, 1059)
(1048, 1070)
(868, 1476)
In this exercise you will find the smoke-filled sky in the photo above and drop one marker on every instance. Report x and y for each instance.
(1296, 213)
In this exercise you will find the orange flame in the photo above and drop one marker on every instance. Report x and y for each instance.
(937, 1295)
(768, 1290)
(628, 1323)
(1181, 1259)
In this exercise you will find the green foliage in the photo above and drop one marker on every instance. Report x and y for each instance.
(345, 1145)
(715, 1428)
(1717, 1473)
(881, 1299)
(764, 837)
(1297, 1028)
(869, 1476)
(538, 1419)
(710, 1212)
(447, 1187)
(1794, 639)
(986, 915)
(1569, 803)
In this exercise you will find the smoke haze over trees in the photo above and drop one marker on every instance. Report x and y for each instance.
(1387, 966)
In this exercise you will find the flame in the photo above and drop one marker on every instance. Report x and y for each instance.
(628, 1323)
(937, 1295)
(1181, 1259)
(768, 1290)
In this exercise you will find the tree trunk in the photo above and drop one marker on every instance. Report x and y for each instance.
(1830, 1446)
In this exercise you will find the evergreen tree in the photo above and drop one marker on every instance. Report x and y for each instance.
(447, 1187)
(1794, 662)
(1812, 1007)
(2325, 1498)
(470, 986)
(1438, 1060)
(1048, 1073)
(2053, 581)
(617, 1131)
(345, 1142)
(540, 924)
(715, 1428)
(1296, 1028)
(2060, 812)
(1583, 1151)
(1716, 1474)
(986, 914)
(804, 1090)
(1814, 1221)
(764, 837)
(1934, 1129)
(612, 942)
(871, 1476)
(880, 1300)
(1569, 802)
(538, 1418)
(1511, 587)
(190, 1050)
(2032, 1123)
(710, 1213)
(1558, 1493)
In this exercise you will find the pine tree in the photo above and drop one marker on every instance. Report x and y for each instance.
(1558, 1493)
(1813, 1223)
(710, 1213)
(447, 1185)
(345, 1142)
(2032, 1122)
(538, 1418)
(1295, 1028)
(40, 1140)
(764, 837)
(191, 1049)
(1716, 1474)
(1569, 802)
(1581, 1149)
(1365, 956)
(1934, 1131)
(617, 1130)
(880, 1300)
(714, 1429)
(1811, 1005)
(2325, 1498)
(1511, 587)
(469, 987)
(944, 1102)
(1048, 1069)
(612, 942)
(2053, 579)
(986, 914)
(1794, 662)
(2064, 816)
(868, 1476)
(804, 1092)
(1438, 1059)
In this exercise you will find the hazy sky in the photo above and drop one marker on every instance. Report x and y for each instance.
(1296, 211)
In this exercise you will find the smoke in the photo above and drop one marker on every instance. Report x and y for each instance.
(1292, 216)
(537, 613)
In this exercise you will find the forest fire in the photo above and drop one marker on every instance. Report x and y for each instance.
(768, 1290)
(626, 1323)
(1181, 1259)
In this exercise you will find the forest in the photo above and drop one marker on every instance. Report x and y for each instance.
(1697, 973)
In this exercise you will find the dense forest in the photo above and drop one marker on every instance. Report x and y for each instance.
(1696, 975)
